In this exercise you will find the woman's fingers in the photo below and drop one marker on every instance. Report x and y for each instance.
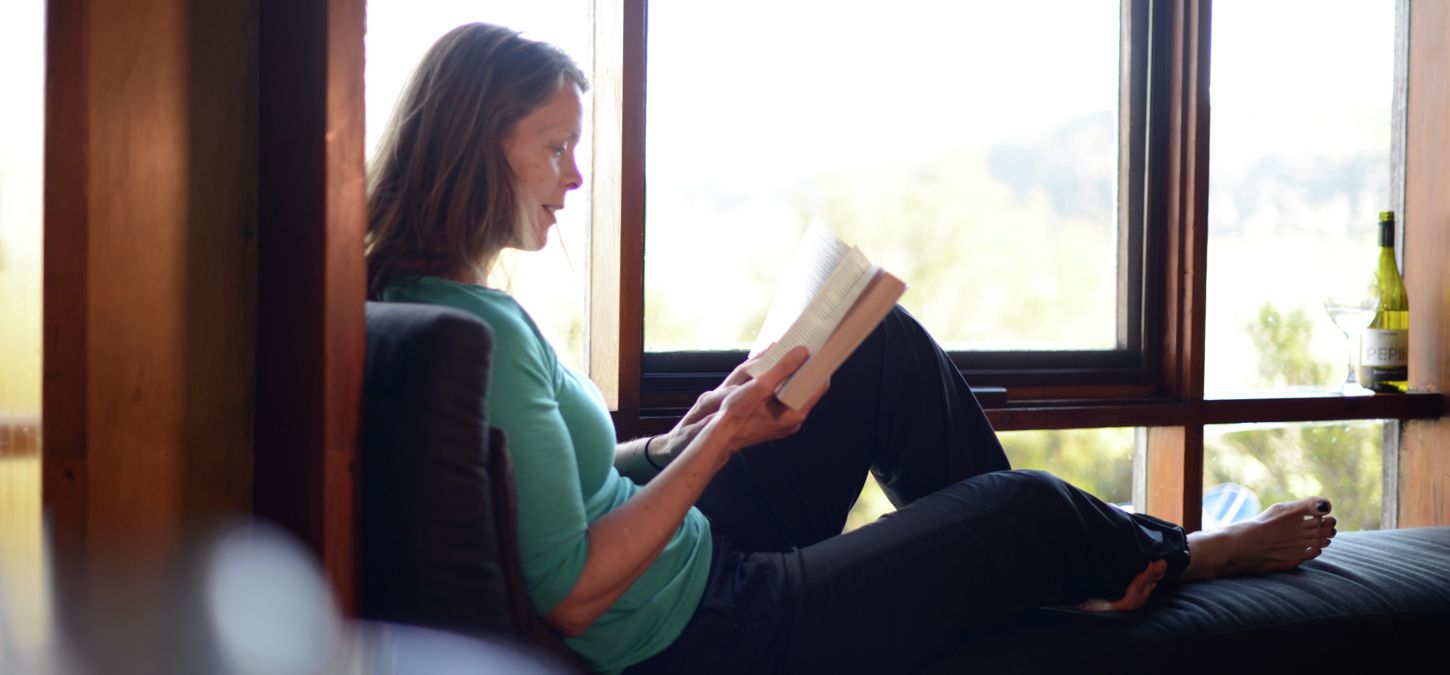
(783, 368)
(757, 415)
(706, 404)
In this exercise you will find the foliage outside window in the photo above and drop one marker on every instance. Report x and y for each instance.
(1099, 461)
(1300, 166)
(940, 138)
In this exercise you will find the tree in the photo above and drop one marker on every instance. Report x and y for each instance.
(1339, 460)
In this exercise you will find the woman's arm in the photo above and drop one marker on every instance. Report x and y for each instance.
(642, 459)
(624, 542)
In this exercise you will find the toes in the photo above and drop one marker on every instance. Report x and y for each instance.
(1324, 524)
(1313, 507)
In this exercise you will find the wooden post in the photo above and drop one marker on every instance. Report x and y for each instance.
(1180, 157)
(311, 277)
(148, 297)
(1424, 471)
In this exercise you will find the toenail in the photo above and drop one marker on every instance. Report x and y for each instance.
(1323, 506)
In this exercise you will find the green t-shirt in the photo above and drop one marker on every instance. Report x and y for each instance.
(561, 440)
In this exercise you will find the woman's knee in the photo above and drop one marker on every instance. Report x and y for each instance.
(1038, 489)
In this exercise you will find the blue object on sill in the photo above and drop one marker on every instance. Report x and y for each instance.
(1228, 503)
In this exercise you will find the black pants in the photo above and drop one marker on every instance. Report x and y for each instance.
(971, 543)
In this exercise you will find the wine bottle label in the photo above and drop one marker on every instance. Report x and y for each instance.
(1383, 356)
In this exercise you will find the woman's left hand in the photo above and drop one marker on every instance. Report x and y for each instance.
(781, 420)
(747, 408)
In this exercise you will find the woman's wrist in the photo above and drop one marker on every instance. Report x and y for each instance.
(658, 466)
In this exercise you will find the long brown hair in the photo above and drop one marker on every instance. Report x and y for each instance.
(441, 197)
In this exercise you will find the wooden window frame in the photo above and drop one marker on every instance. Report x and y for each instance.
(1162, 392)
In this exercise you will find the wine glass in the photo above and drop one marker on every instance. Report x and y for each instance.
(1352, 313)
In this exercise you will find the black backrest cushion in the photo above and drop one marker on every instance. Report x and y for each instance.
(427, 529)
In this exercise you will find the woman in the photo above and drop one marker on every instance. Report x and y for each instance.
(724, 552)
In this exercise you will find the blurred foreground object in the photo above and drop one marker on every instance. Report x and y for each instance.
(249, 600)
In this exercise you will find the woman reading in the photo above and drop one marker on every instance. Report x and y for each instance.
(718, 546)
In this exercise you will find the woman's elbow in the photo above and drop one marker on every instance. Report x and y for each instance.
(569, 622)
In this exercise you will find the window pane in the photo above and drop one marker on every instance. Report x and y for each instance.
(968, 147)
(23, 589)
(1099, 461)
(1299, 168)
(1343, 461)
(550, 284)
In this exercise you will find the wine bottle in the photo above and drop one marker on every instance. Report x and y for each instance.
(1385, 345)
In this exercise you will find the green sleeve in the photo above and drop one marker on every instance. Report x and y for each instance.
(553, 527)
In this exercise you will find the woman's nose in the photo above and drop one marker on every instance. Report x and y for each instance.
(572, 178)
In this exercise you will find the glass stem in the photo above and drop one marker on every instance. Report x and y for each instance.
(1350, 378)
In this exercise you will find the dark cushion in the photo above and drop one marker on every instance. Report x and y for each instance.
(1373, 600)
(427, 530)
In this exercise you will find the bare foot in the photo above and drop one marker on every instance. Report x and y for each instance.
(1139, 589)
(1281, 538)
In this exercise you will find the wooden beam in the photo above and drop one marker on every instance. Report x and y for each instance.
(149, 272)
(148, 302)
(311, 278)
(615, 324)
(67, 254)
(1163, 412)
(1424, 471)
(1179, 221)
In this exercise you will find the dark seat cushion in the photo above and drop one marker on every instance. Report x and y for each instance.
(437, 511)
(430, 551)
(1373, 600)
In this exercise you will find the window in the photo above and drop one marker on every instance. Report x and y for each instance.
(969, 181)
(22, 121)
(1098, 203)
(1300, 167)
(1276, 462)
(1099, 461)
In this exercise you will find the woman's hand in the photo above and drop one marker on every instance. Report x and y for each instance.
(740, 412)
(746, 408)
(771, 419)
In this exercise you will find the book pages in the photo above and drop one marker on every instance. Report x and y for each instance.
(815, 300)
(809, 268)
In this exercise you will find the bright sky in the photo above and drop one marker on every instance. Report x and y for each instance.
(768, 90)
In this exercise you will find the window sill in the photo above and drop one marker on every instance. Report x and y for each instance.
(1154, 412)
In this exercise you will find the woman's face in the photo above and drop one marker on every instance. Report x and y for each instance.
(541, 153)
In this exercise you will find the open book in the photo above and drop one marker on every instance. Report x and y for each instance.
(832, 298)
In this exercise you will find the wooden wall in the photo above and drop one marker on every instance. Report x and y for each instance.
(1425, 444)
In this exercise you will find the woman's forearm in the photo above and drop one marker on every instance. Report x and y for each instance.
(624, 542)
(632, 462)
(642, 459)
